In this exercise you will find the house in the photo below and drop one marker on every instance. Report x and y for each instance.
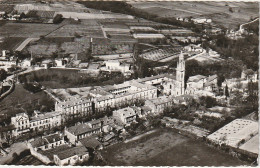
(46, 64)
(46, 120)
(198, 83)
(71, 156)
(43, 121)
(46, 142)
(80, 131)
(26, 63)
(116, 65)
(201, 20)
(126, 115)
(61, 62)
(211, 83)
(90, 143)
(158, 105)
(21, 123)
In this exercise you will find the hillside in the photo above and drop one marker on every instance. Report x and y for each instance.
(229, 15)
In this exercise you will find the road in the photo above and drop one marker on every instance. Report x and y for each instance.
(24, 72)
(24, 43)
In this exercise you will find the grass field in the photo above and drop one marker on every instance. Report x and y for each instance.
(166, 148)
(217, 11)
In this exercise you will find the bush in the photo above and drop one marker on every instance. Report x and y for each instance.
(57, 19)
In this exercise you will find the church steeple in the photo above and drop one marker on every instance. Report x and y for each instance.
(180, 74)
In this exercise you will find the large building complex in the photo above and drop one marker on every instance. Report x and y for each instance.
(129, 92)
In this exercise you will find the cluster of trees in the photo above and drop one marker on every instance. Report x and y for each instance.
(244, 49)
(70, 78)
(58, 19)
(3, 74)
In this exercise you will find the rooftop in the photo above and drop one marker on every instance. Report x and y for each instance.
(235, 131)
(196, 78)
(80, 129)
(126, 112)
(252, 145)
(45, 116)
(90, 142)
(161, 100)
(72, 151)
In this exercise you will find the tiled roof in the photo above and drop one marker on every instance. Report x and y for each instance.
(90, 142)
(45, 116)
(53, 138)
(39, 142)
(67, 153)
(80, 129)
(196, 78)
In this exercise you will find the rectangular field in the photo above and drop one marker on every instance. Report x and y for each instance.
(166, 148)
(26, 30)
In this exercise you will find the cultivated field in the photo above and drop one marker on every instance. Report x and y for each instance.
(26, 30)
(218, 11)
(166, 148)
(11, 43)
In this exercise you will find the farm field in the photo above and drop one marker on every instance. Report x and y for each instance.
(26, 30)
(217, 11)
(166, 148)
(11, 43)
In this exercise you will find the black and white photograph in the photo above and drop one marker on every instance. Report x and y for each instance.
(129, 83)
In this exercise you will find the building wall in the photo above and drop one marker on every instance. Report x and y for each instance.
(71, 160)
(72, 138)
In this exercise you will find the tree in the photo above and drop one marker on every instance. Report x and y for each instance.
(57, 19)
(3, 74)
(226, 92)
(22, 16)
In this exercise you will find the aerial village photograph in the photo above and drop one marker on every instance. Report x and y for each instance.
(129, 83)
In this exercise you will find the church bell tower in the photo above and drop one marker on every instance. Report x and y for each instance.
(180, 74)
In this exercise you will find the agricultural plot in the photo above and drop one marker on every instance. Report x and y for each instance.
(26, 29)
(77, 30)
(11, 43)
(219, 12)
(6, 8)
